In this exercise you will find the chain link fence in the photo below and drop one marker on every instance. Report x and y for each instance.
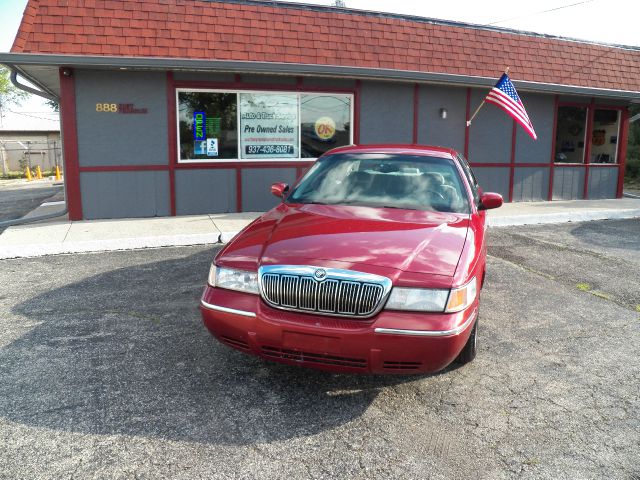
(18, 155)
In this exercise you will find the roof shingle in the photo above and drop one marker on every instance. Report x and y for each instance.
(201, 29)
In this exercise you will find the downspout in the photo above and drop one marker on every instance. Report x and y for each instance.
(48, 96)
(28, 89)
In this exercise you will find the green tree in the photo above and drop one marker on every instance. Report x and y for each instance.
(9, 95)
(633, 148)
(54, 105)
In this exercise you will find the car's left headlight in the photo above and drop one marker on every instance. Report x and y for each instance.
(233, 279)
(417, 299)
(432, 300)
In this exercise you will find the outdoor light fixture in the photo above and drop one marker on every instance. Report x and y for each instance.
(66, 72)
(443, 113)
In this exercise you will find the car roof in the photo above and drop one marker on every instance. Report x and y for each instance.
(426, 150)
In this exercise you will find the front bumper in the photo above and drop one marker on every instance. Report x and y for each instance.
(390, 342)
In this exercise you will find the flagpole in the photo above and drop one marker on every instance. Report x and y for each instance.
(474, 114)
(506, 71)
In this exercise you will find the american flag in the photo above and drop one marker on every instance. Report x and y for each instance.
(504, 95)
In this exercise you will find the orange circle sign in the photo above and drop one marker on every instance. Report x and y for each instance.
(325, 128)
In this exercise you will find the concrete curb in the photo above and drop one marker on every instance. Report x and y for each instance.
(217, 237)
(225, 237)
(43, 249)
(563, 217)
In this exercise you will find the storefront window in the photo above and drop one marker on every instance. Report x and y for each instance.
(259, 126)
(326, 123)
(570, 134)
(604, 139)
(269, 125)
(208, 125)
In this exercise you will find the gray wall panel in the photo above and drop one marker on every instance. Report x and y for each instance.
(124, 194)
(603, 182)
(490, 133)
(205, 191)
(329, 82)
(269, 79)
(386, 113)
(204, 77)
(586, 100)
(256, 187)
(540, 110)
(118, 139)
(493, 179)
(433, 130)
(568, 183)
(530, 184)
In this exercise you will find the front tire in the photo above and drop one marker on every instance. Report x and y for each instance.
(470, 349)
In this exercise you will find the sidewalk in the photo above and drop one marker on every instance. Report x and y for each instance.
(62, 236)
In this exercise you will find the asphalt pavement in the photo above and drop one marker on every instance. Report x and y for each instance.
(107, 372)
(17, 198)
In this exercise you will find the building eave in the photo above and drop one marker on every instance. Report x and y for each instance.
(18, 60)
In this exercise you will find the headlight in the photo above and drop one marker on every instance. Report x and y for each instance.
(432, 300)
(232, 279)
(461, 298)
(417, 299)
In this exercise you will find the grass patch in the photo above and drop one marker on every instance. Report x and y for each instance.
(583, 287)
(600, 295)
(16, 175)
(638, 308)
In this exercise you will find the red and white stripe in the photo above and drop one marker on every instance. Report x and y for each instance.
(513, 108)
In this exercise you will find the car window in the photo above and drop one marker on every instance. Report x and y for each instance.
(471, 178)
(414, 182)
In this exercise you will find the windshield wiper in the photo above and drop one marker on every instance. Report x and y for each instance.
(398, 208)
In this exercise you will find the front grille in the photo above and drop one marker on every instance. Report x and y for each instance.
(309, 357)
(338, 292)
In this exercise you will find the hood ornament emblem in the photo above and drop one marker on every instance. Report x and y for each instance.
(320, 274)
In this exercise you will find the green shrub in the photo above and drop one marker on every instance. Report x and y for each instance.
(633, 168)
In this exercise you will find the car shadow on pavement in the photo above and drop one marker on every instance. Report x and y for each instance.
(601, 233)
(125, 352)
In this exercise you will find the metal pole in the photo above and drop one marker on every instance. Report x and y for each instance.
(55, 154)
(28, 154)
(3, 154)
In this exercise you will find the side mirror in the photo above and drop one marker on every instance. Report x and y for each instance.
(279, 189)
(489, 201)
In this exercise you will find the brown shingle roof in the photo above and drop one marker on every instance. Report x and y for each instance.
(236, 30)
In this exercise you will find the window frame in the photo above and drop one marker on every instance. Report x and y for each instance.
(590, 107)
(237, 92)
(618, 132)
(585, 136)
(471, 179)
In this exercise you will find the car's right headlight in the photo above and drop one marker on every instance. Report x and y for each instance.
(233, 279)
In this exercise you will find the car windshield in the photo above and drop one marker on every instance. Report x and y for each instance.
(413, 182)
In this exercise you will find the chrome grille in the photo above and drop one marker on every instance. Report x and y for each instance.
(338, 292)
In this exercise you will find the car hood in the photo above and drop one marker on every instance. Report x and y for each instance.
(349, 236)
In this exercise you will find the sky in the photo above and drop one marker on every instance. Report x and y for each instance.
(608, 21)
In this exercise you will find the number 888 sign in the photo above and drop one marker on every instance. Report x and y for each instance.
(107, 107)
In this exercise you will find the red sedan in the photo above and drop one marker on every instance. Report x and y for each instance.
(373, 262)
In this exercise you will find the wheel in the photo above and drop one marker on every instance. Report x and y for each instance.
(470, 349)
